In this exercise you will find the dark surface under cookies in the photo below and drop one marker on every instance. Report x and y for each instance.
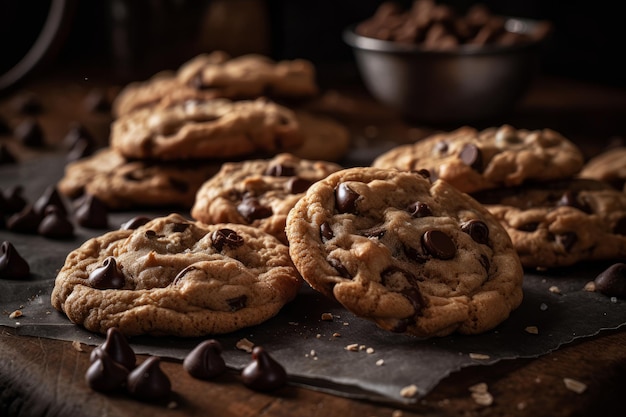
(555, 303)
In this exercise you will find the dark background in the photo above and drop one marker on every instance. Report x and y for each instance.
(132, 39)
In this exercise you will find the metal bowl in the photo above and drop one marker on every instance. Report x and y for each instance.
(471, 83)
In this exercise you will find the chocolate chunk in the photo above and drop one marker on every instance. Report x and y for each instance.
(237, 303)
(471, 156)
(477, 230)
(414, 255)
(205, 360)
(528, 227)
(14, 201)
(340, 268)
(424, 173)
(29, 133)
(251, 209)
(263, 373)
(148, 382)
(151, 234)
(612, 281)
(567, 240)
(107, 276)
(571, 199)
(105, 375)
(26, 221)
(441, 147)
(179, 277)
(376, 231)
(117, 348)
(50, 197)
(414, 296)
(6, 157)
(27, 103)
(297, 185)
(438, 244)
(55, 225)
(346, 199)
(419, 209)
(180, 227)
(280, 170)
(484, 261)
(620, 227)
(226, 237)
(92, 213)
(134, 223)
(12, 265)
(96, 101)
(326, 232)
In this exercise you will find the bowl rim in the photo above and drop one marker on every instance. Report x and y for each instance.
(513, 24)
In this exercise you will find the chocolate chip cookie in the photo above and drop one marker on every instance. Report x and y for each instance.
(560, 223)
(176, 277)
(122, 184)
(195, 129)
(609, 166)
(324, 137)
(413, 256)
(258, 192)
(218, 75)
(473, 160)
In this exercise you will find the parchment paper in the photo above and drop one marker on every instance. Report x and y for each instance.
(313, 350)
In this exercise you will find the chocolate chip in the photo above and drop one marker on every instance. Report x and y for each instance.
(567, 240)
(402, 325)
(346, 199)
(419, 209)
(528, 227)
(620, 227)
(263, 373)
(117, 348)
(148, 382)
(612, 281)
(205, 360)
(376, 232)
(92, 213)
(134, 223)
(26, 221)
(471, 156)
(151, 234)
(326, 232)
(441, 147)
(14, 201)
(237, 303)
(424, 173)
(180, 227)
(484, 261)
(55, 225)
(251, 209)
(335, 263)
(29, 133)
(280, 170)
(12, 265)
(414, 255)
(438, 244)
(477, 230)
(226, 237)
(571, 199)
(179, 277)
(6, 157)
(107, 276)
(105, 375)
(297, 185)
(415, 297)
(50, 197)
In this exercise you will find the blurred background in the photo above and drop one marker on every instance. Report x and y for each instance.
(130, 40)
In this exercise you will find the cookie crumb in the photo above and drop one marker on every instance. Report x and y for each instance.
(345, 323)
(369, 350)
(409, 391)
(16, 314)
(318, 336)
(532, 329)
(590, 286)
(362, 347)
(380, 362)
(554, 289)
(354, 347)
(481, 395)
(77, 346)
(245, 345)
(479, 356)
(327, 316)
(336, 334)
(574, 385)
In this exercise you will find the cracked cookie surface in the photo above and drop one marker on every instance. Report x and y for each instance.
(473, 160)
(412, 256)
(173, 276)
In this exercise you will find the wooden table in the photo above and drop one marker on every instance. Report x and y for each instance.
(42, 377)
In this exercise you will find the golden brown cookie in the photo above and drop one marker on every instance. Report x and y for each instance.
(609, 166)
(412, 256)
(473, 160)
(258, 192)
(176, 277)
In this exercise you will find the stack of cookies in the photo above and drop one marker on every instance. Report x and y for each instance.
(556, 211)
(172, 132)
